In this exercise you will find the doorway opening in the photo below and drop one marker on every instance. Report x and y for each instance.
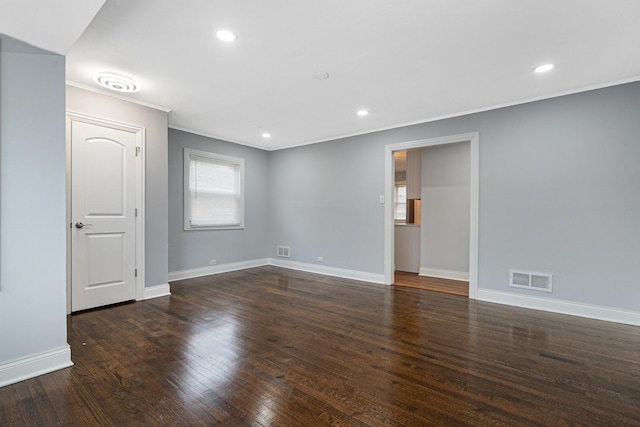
(389, 244)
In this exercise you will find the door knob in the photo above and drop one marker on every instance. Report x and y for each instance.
(80, 225)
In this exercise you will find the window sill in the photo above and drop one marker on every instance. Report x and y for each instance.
(220, 227)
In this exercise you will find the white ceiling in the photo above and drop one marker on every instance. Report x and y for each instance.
(31, 21)
(406, 61)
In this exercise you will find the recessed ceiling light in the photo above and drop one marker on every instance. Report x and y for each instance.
(266, 135)
(362, 113)
(543, 68)
(117, 82)
(226, 36)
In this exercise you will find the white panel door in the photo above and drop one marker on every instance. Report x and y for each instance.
(103, 203)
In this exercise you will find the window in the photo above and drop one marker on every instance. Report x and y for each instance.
(400, 203)
(213, 191)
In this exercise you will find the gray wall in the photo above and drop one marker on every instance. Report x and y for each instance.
(32, 206)
(195, 248)
(444, 231)
(407, 248)
(324, 202)
(414, 174)
(156, 205)
(559, 183)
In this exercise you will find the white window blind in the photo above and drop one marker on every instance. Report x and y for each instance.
(214, 191)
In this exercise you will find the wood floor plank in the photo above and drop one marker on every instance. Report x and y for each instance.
(447, 286)
(269, 346)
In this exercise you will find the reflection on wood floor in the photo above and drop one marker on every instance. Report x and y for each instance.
(446, 286)
(268, 346)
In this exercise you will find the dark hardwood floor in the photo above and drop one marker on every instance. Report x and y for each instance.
(269, 346)
(447, 286)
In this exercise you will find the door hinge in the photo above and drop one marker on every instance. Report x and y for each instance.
(136, 212)
(138, 149)
(136, 273)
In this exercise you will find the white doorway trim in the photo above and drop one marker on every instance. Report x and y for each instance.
(389, 178)
(140, 133)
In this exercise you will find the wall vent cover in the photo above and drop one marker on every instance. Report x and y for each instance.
(284, 251)
(529, 280)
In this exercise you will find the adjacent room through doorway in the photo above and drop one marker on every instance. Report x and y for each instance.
(434, 214)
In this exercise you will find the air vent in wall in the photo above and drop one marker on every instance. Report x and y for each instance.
(284, 251)
(528, 280)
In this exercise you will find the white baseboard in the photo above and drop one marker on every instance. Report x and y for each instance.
(157, 291)
(560, 306)
(328, 271)
(507, 298)
(444, 274)
(293, 265)
(37, 364)
(217, 269)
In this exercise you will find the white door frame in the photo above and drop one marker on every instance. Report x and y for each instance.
(389, 180)
(140, 133)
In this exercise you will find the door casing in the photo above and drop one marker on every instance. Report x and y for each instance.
(473, 138)
(139, 132)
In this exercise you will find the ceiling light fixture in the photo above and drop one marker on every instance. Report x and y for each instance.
(266, 135)
(226, 36)
(363, 113)
(117, 82)
(543, 68)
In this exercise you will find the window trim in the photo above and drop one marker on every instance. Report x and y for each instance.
(396, 203)
(190, 153)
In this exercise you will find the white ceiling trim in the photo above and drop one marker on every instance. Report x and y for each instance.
(114, 95)
(208, 135)
(430, 120)
(464, 113)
